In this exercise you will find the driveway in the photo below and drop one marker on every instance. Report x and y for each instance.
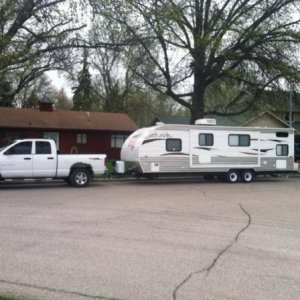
(165, 239)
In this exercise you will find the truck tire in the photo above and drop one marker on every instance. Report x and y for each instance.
(232, 176)
(80, 177)
(248, 176)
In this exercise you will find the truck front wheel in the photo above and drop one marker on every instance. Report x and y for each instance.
(80, 177)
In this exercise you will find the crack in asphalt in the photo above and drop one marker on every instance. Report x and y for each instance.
(56, 290)
(211, 266)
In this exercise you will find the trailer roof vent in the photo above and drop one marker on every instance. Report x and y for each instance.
(159, 123)
(206, 122)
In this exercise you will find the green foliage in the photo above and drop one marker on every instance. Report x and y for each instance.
(5, 92)
(35, 37)
(6, 298)
(192, 46)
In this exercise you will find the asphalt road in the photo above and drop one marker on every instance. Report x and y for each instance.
(163, 239)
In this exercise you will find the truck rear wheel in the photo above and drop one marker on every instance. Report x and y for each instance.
(80, 177)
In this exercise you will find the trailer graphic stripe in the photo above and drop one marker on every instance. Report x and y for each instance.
(264, 150)
(205, 148)
(175, 153)
(151, 140)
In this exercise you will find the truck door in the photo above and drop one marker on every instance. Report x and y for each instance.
(16, 162)
(44, 160)
(201, 145)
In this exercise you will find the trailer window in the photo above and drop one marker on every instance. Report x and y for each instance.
(282, 134)
(206, 139)
(239, 140)
(282, 150)
(173, 145)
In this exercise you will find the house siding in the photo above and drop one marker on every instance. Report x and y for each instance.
(97, 141)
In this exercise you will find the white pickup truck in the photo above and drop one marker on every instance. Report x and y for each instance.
(38, 158)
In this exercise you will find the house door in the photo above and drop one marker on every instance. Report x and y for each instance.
(52, 136)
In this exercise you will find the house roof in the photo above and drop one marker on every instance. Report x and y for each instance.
(168, 119)
(284, 124)
(70, 120)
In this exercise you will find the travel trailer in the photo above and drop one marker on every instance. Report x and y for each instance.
(230, 153)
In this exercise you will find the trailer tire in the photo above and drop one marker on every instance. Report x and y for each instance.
(232, 176)
(80, 177)
(248, 176)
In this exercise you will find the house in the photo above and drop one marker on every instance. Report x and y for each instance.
(73, 131)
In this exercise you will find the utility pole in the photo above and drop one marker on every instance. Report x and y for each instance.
(291, 106)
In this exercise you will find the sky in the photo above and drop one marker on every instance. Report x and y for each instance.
(59, 81)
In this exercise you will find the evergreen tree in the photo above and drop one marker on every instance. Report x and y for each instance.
(83, 95)
(5, 93)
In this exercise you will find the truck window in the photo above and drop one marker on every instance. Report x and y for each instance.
(23, 148)
(42, 148)
(206, 139)
(173, 145)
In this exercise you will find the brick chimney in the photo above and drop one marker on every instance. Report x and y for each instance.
(45, 106)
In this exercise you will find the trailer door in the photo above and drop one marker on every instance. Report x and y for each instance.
(201, 146)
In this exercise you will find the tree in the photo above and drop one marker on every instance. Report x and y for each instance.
(193, 44)
(83, 94)
(39, 89)
(5, 92)
(115, 80)
(62, 102)
(37, 36)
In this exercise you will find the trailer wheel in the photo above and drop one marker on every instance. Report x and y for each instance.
(232, 176)
(80, 177)
(247, 176)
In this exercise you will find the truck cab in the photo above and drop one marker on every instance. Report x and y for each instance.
(29, 159)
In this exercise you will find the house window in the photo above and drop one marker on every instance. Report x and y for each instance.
(282, 150)
(239, 140)
(206, 139)
(43, 148)
(81, 138)
(173, 145)
(117, 140)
